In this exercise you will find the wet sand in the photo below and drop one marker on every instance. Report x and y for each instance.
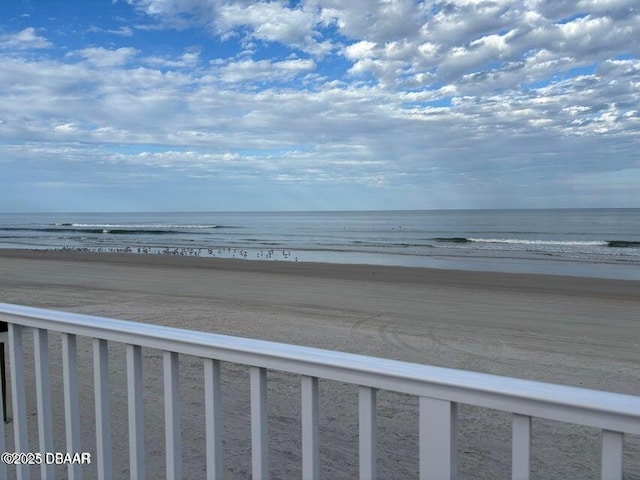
(568, 330)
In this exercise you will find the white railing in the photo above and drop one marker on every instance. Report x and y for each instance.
(439, 391)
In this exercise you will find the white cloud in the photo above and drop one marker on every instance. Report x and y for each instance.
(23, 40)
(379, 22)
(103, 57)
(269, 21)
(264, 70)
(124, 31)
(188, 59)
(65, 127)
(359, 50)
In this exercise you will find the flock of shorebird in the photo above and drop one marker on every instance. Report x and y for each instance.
(226, 252)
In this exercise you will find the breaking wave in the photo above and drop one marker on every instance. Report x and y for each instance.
(118, 229)
(517, 241)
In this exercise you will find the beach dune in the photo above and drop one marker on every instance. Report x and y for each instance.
(567, 330)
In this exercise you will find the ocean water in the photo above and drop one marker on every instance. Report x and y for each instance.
(584, 242)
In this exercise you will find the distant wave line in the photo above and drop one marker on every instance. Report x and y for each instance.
(366, 243)
(141, 226)
(516, 241)
(118, 231)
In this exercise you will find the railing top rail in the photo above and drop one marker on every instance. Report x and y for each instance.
(607, 410)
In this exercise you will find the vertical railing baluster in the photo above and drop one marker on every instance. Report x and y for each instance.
(172, 415)
(103, 407)
(213, 418)
(368, 426)
(520, 447)
(310, 435)
(18, 396)
(438, 439)
(259, 424)
(135, 411)
(612, 443)
(43, 397)
(71, 401)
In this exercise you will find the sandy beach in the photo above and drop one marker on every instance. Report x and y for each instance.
(568, 330)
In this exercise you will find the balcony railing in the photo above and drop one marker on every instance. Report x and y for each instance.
(440, 390)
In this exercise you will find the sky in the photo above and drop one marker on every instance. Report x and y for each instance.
(213, 105)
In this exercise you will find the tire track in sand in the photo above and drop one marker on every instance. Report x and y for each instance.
(390, 334)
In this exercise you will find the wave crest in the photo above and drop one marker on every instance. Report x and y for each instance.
(521, 241)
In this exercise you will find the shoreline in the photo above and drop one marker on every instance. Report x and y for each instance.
(370, 272)
(499, 263)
